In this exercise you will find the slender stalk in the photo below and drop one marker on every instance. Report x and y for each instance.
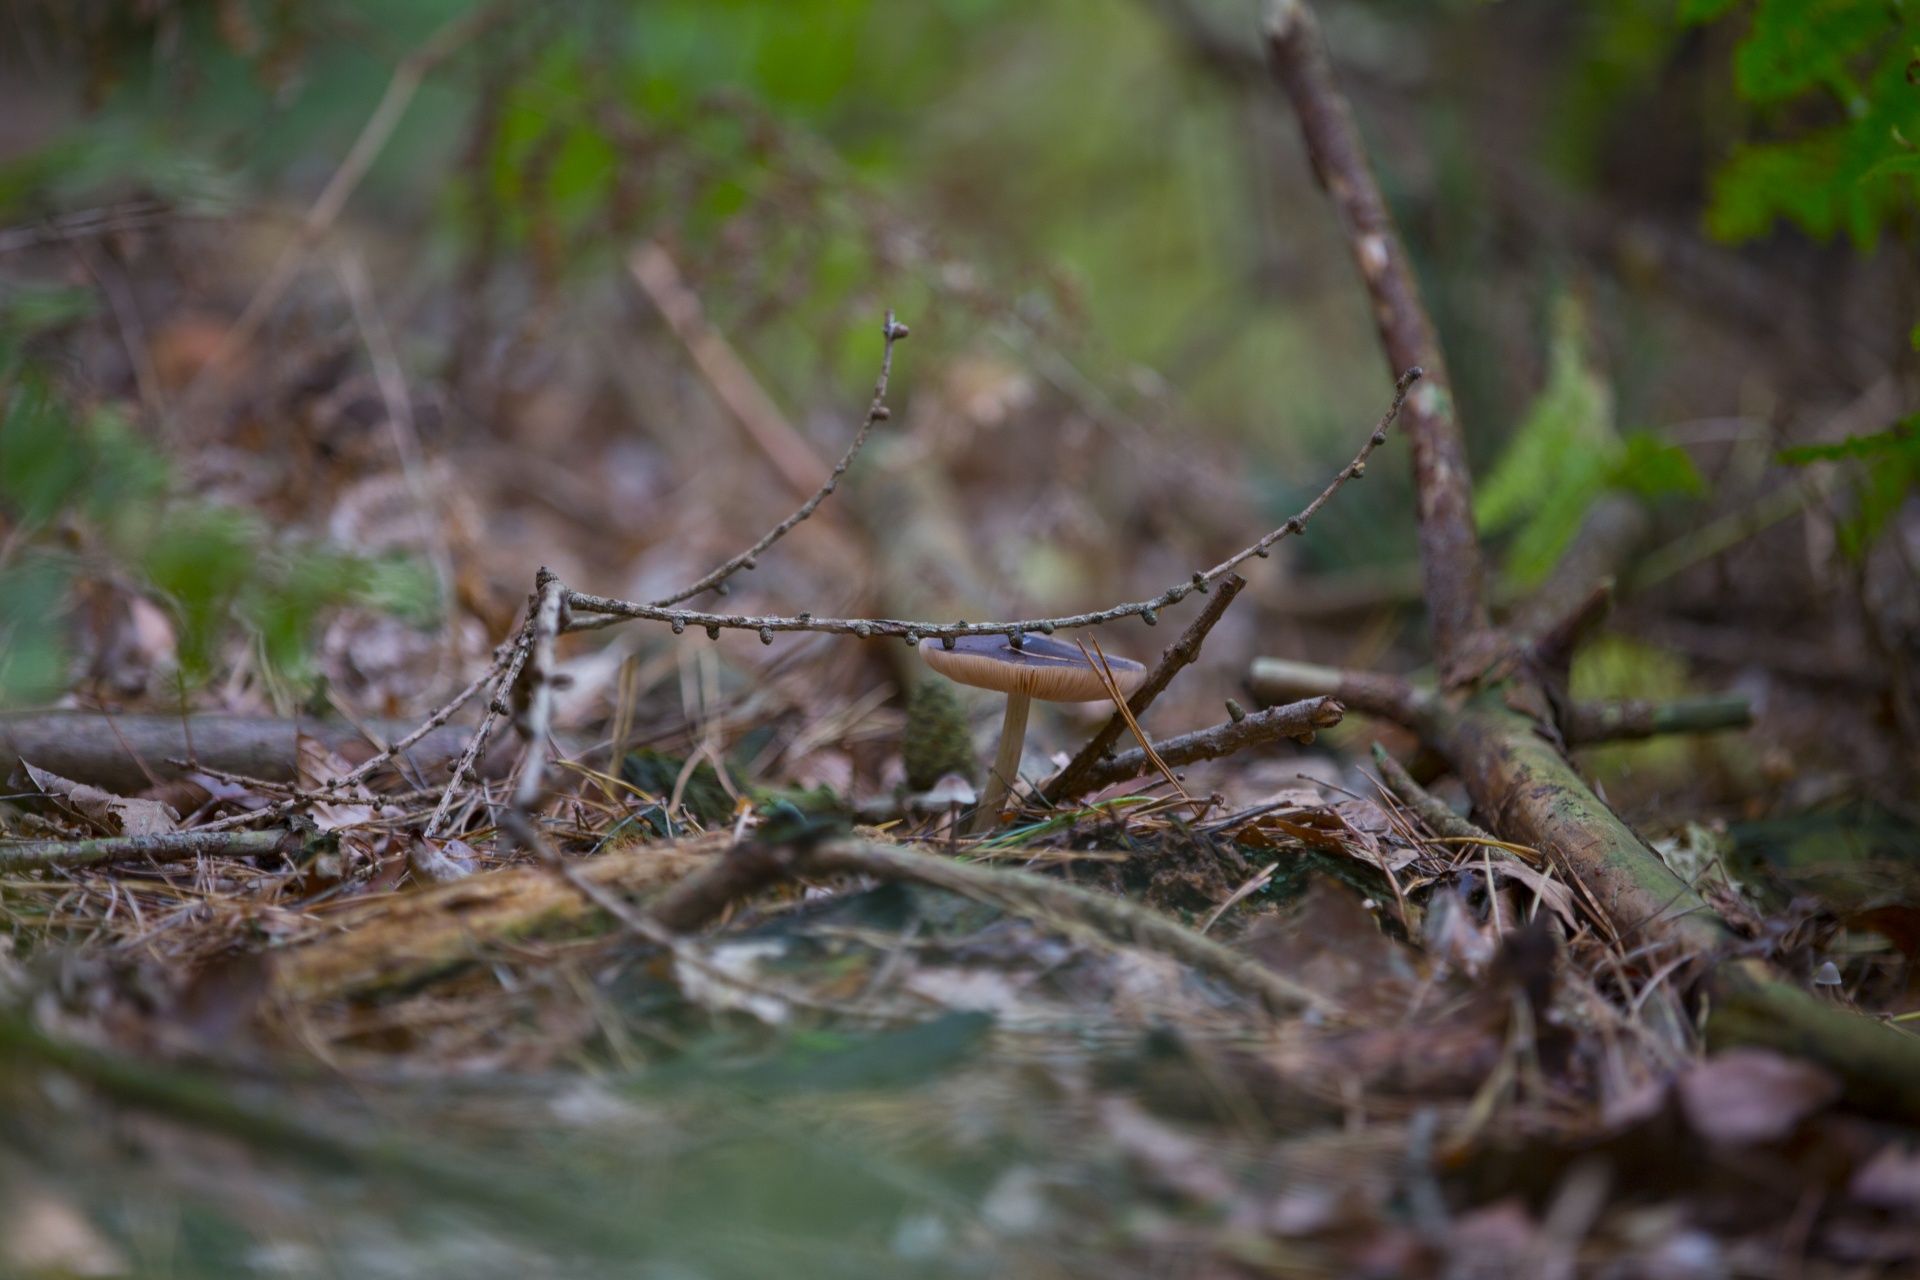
(1006, 765)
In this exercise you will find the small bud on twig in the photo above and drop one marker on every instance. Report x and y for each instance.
(1235, 712)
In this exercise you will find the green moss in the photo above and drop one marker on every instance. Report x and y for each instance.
(938, 739)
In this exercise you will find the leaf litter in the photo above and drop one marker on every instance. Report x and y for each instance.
(426, 1054)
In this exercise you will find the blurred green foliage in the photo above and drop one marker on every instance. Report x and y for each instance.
(82, 494)
(1885, 468)
(1565, 454)
(1833, 85)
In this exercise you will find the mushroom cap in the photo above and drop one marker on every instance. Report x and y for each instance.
(1041, 668)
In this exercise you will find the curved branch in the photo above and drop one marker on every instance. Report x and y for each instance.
(876, 412)
(613, 611)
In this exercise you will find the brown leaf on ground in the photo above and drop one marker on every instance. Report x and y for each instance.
(315, 766)
(1331, 943)
(1748, 1096)
(106, 813)
(46, 1235)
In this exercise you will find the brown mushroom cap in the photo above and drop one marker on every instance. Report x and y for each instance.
(1041, 668)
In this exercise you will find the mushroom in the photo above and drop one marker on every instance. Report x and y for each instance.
(1023, 668)
(950, 793)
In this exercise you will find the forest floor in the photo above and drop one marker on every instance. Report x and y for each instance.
(1252, 1015)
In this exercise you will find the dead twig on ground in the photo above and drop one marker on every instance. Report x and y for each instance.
(876, 412)
(751, 867)
(1177, 656)
(176, 846)
(1294, 720)
(613, 611)
(87, 747)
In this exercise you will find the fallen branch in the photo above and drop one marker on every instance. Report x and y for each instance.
(1589, 722)
(1295, 720)
(750, 867)
(393, 944)
(1495, 722)
(876, 412)
(176, 846)
(614, 611)
(1071, 780)
(106, 752)
(1419, 708)
(1389, 697)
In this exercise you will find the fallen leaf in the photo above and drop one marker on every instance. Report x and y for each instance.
(440, 861)
(314, 767)
(46, 1235)
(1747, 1096)
(1891, 1180)
(106, 813)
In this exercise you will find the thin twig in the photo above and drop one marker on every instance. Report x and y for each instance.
(1176, 657)
(361, 772)
(406, 81)
(173, 846)
(614, 611)
(876, 412)
(544, 629)
(1290, 721)
(505, 671)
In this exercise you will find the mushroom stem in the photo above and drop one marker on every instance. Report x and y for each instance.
(1006, 766)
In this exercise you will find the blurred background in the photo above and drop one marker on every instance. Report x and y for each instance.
(323, 326)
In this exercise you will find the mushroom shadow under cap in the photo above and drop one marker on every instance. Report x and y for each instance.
(1041, 668)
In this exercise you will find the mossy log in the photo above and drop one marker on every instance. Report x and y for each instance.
(389, 944)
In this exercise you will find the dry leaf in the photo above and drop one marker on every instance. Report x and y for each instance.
(314, 767)
(440, 861)
(45, 1235)
(106, 813)
(1746, 1096)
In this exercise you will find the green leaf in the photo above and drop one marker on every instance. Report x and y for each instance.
(1797, 45)
(1653, 468)
(1560, 459)
(202, 559)
(44, 458)
(1879, 444)
(33, 656)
